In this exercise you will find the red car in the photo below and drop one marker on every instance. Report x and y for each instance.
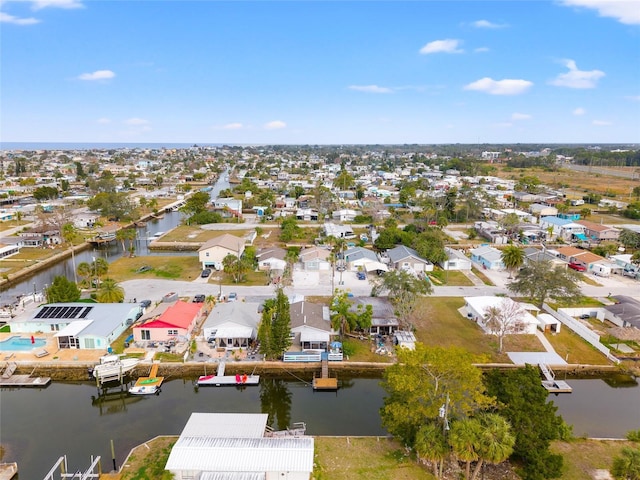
(577, 267)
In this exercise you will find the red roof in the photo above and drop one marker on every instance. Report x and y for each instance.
(179, 315)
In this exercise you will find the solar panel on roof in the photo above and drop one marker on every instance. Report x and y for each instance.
(86, 312)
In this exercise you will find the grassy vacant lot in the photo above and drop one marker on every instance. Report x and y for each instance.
(193, 233)
(583, 457)
(183, 267)
(379, 458)
(574, 349)
(25, 258)
(453, 278)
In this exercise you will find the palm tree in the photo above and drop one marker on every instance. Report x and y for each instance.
(100, 268)
(110, 292)
(512, 258)
(464, 438)
(496, 442)
(84, 270)
(431, 445)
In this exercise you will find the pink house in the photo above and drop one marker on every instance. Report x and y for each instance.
(176, 321)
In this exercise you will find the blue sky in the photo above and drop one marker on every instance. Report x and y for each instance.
(304, 72)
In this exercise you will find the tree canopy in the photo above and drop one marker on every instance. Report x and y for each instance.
(524, 402)
(110, 292)
(403, 290)
(275, 325)
(541, 280)
(418, 385)
(62, 290)
(345, 317)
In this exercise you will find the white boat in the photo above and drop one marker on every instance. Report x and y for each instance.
(220, 379)
(144, 390)
(114, 366)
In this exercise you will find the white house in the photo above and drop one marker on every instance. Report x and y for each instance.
(232, 325)
(216, 446)
(407, 258)
(344, 215)
(477, 308)
(456, 260)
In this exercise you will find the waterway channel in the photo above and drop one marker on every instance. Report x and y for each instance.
(109, 252)
(40, 425)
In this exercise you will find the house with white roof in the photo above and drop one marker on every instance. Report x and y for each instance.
(85, 326)
(456, 260)
(232, 325)
(478, 307)
(217, 446)
(488, 257)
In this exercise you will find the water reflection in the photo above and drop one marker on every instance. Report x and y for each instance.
(275, 400)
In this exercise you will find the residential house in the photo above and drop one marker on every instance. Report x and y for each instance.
(384, 320)
(338, 231)
(541, 210)
(490, 258)
(307, 214)
(176, 322)
(532, 254)
(492, 231)
(405, 258)
(228, 207)
(213, 251)
(272, 259)
(85, 326)
(563, 228)
(580, 257)
(358, 257)
(311, 326)
(624, 313)
(85, 220)
(315, 258)
(456, 260)
(344, 215)
(232, 325)
(478, 307)
(599, 233)
(217, 446)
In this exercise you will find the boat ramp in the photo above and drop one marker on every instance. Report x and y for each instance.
(10, 379)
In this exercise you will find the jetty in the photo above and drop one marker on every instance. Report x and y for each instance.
(325, 382)
(10, 379)
(220, 379)
(550, 383)
(148, 385)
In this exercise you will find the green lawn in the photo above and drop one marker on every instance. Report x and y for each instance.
(574, 349)
(583, 457)
(439, 323)
(193, 233)
(482, 276)
(184, 267)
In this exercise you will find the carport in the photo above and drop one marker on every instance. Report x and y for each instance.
(375, 266)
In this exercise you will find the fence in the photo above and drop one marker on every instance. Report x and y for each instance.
(580, 329)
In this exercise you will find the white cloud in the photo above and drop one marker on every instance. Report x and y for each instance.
(601, 123)
(442, 46)
(67, 4)
(275, 125)
(6, 18)
(481, 49)
(487, 24)
(136, 121)
(500, 87)
(97, 75)
(370, 89)
(103, 120)
(520, 116)
(579, 111)
(627, 11)
(575, 78)
(233, 126)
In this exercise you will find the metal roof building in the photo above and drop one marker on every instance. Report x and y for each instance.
(232, 446)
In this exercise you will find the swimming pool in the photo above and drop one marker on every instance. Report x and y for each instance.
(21, 344)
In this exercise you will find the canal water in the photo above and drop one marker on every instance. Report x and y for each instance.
(109, 252)
(40, 425)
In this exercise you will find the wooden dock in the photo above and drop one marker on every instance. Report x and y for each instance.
(221, 380)
(325, 382)
(151, 380)
(10, 379)
(550, 383)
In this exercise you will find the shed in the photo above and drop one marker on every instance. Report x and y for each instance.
(548, 323)
(405, 339)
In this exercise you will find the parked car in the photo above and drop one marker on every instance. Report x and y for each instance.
(198, 298)
(205, 273)
(362, 276)
(145, 303)
(577, 267)
(232, 297)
